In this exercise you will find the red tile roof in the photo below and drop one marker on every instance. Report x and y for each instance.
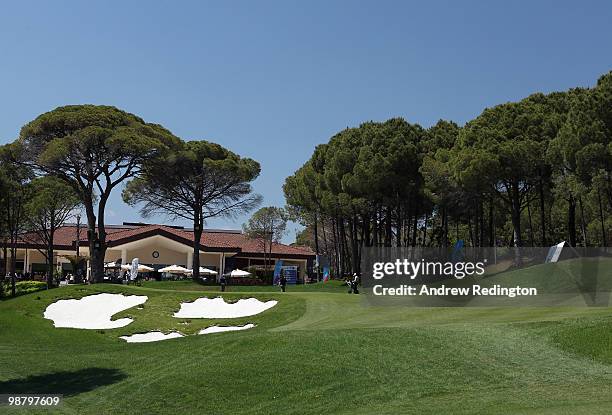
(227, 240)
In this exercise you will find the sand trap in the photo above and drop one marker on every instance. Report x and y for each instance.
(219, 329)
(93, 311)
(218, 308)
(152, 336)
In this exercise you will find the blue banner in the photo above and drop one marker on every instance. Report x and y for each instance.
(277, 271)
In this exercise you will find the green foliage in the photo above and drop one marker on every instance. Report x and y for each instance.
(22, 287)
(267, 226)
(521, 173)
(197, 180)
(201, 179)
(268, 222)
(50, 204)
(92, 148)
(50, 198)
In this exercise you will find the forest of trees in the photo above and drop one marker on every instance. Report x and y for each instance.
(527, 173)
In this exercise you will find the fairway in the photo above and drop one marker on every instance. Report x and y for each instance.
(319, 350)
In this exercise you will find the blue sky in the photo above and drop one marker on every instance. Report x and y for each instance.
(272, 79)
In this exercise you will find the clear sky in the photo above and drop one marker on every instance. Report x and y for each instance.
(272, 79)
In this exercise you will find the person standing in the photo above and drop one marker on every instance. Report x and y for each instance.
(283, 282)
(354, 283)
(223, 282)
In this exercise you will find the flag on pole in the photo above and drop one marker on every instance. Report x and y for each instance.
(134, 269)
(325, 274)
(277, 271)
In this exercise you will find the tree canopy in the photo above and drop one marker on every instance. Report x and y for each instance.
(94, 149)
(521, 173)
(197, 181)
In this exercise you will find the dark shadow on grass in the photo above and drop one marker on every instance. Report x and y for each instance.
(65, 383)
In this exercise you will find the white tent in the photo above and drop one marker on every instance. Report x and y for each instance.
(141, 268)
(175, 269)
(205, 271)
(239, 273)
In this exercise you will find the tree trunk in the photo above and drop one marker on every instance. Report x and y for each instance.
(316, 243)
(13, 267)
(337, 265)
(582, 223)
(457, 229)
(602, 221)
(398, 239)
(97, 273)
(343, 248)
(197, 235)
(388, 227)
(516, 214)
(492, 241)
(6, 264)
(353, 242)
(542, 212)
(415, 225)
(445, 226)
(325, 245)
(375, 227)
(470, 230)
(425, 230)
(571, 221)
(531, 235)
(50, 266)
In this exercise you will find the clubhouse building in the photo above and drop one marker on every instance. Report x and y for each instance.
(159, 246)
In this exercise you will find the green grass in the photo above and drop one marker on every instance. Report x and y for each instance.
(189, 285)
(319, 350)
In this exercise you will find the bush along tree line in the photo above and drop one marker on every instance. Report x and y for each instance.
(527, 173)
(74, 157)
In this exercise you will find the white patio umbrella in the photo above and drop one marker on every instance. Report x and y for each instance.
(111, 265)
(141, 268)
(205, 271)
(174, 269)
(239, 273)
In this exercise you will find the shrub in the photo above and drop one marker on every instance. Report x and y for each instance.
(22, 287)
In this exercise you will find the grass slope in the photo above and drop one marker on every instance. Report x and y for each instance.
(319, 350)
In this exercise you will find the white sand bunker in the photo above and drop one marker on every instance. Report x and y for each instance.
(220, 329)
(152, 336)
(218, 308)
(93, 311)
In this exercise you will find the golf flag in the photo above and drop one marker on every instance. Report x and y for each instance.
(134, 269)
(325, 274)
(277, 271)
(555, 252)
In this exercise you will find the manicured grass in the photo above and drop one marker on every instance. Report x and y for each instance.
(315, 352)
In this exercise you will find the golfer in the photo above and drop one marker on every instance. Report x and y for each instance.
(354, 283)
(222, 282)
(283, 282)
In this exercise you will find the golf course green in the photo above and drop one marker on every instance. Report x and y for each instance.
(318, 351)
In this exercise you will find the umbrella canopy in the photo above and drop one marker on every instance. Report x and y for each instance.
(175, 269)
(141, 268)
(112, 265)
(239, 273)
(205, 271)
